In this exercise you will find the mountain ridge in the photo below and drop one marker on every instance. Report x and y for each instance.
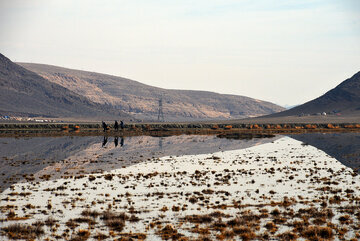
(344, 100)
(141, 100)
(25, 93)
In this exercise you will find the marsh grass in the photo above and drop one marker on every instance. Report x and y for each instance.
(23, 231)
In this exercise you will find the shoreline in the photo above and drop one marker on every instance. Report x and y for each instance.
(242, 131)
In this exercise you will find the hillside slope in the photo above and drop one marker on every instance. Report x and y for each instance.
(25, 93)
(343, 100)
(142, 100)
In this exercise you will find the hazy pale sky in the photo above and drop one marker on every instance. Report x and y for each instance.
(286, 52)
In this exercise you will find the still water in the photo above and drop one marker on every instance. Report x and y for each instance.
(189, 186)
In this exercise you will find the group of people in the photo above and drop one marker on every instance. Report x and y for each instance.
(116, 125)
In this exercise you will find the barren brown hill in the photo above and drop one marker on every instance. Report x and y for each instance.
(141, 100)
(343, 100)
(25, 93)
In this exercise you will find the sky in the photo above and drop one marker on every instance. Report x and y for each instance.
(287, 52)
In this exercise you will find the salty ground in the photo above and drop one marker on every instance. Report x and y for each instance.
(267, 189)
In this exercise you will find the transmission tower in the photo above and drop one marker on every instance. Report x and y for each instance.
(161, 113)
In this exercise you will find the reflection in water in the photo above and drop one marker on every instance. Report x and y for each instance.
(345, 147)
(61, 155)
(104, 141)
(116, 141)
(27, 156)
(161, 139)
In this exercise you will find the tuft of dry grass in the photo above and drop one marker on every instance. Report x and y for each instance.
(81, 235)
(287, 236)
(100, 236)
(50, 221)
(271, 227)
(115, 224)
(244, 232)
(108, 177)
(90, 213)
(199, 218)
(345, 219)
(115, 221)
(23, 231)
(169, 232)
(317, 232)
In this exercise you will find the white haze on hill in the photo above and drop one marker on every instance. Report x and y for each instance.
(287, 52)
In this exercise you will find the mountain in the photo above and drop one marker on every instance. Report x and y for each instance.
(142, 100)
(25, 93)
(343, 100)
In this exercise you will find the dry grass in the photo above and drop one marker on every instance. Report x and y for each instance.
(81, 235)
(287, 236)
(100, 236)
(90, 213)
(199, 218)
(244, 232)
(115, 221)
(317, 233)
(169, 232)
(50, 221)
(23, 231)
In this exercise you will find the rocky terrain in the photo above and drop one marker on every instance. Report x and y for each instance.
(141, 100)
(24, 93)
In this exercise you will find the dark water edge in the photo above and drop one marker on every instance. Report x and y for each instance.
(345, 147)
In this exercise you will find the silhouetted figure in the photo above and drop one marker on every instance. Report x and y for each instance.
(122, 141)
(116, 141)
(122, 125)
(104, 141)
(116, 126)
(104, 126)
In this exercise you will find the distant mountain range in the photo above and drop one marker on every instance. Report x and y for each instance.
(142, 101)
(343, 100)
(28, 89)
(25, 93)
(288, 107)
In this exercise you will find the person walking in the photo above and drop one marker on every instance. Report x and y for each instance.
(122, 125)
(116, 126)
(104, 126)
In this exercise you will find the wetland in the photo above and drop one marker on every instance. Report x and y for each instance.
(183, 187)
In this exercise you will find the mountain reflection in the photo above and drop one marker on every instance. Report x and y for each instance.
(33, 158)
(345, 147)
(61, 156)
